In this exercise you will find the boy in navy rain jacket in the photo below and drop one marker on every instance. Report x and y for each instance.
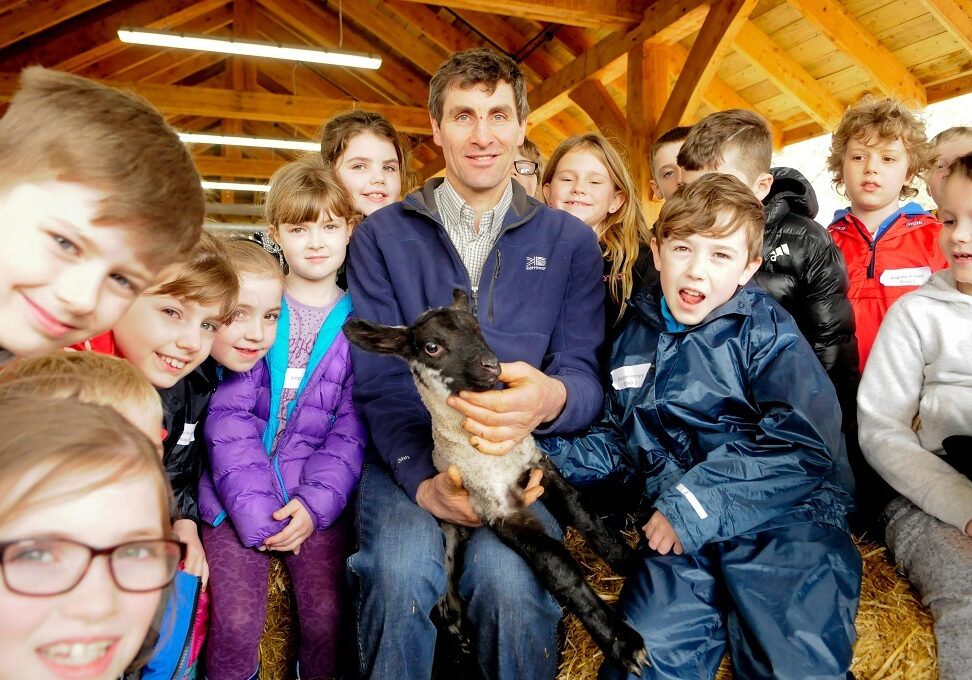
(718, 399)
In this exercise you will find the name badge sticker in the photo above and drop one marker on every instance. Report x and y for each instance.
(627, 377)
(912, 276)
(293, 377)
(188, 435)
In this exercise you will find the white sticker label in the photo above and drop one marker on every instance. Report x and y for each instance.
(188, 435)
(629, 376)
(293, 377)
(913, 276)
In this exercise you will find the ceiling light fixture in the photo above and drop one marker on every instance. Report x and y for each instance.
(250, 48)
(235, 186)
(262, 142)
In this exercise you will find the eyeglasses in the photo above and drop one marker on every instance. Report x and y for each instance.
(525, 167)
(53, 566)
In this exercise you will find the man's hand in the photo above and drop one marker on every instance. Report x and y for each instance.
(661, 536)
(500, 419)
(532, 491)
(195, 564)
(445, 497)
(968, 528)
(297, 530)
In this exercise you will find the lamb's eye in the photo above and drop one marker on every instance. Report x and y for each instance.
(432, 349)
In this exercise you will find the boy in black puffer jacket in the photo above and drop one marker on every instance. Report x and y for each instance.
(802, 268)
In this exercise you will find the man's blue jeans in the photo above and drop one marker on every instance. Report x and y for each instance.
(400, 577)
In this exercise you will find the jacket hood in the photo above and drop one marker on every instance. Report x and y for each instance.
(791, 193)
(941, 286)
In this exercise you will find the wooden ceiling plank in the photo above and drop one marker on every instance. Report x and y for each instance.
(425, 56)
(714, 40)
(593, 97)
(784, 72)
(29, 19)
(440, 32)
(956, 16)
(539, 63)
(551, 96)
(586, 13)
(850, 36)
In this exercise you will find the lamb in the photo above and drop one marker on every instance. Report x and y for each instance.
(447, 353)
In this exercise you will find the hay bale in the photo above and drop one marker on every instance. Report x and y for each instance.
(278, 646)
(894, 632)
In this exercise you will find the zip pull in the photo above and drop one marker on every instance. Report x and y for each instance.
(871, 246)
(492, 283)
(475, 300)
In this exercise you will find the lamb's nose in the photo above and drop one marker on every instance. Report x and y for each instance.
(491, 365)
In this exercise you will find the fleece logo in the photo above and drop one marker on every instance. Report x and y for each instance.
(779, 251)
(536, 262)
(914, 223)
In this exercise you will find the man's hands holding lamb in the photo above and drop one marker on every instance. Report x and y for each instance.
(446, 498)
(500, 419)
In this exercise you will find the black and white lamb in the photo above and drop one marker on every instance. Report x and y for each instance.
(447, 353)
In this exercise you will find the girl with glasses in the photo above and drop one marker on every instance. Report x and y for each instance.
(84, 540)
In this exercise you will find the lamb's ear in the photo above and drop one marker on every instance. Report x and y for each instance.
(374, 337)
(460, 300)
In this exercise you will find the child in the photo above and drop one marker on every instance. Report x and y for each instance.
(88, 222)
(243, 342)
(80, 488)
(167, 334)
(747, 539)
(947, 145)
(665, 176)
(587, 177)
(919, 373)
(876, 151)
(286, 445)
(528, 167)
(369, 157)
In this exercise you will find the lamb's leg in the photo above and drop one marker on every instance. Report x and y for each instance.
(565, 502)
(450, 606)
(562, 576)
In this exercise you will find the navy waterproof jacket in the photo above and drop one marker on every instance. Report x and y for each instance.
(539, 300)
(733, 422)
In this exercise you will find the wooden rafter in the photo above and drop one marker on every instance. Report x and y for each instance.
(236, 168)
(426, 57)
(651, 69)
(850, 36)
(593, 97)
(29, 19)
(784, 72)
(722, 24)
(956, 16)
(587, 13)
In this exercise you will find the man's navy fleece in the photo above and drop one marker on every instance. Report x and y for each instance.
(540, 300)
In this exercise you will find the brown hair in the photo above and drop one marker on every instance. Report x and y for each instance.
(303, 189)
(344, 127)
(90, 377)
(960, 167)
(676, 134)
(206, 278)
(881, 119)
(626, 229)
(64, 127)
(250, 257)
(739, 130)
(532, 153)
(951, 133)
(702, 207)
(479, 66)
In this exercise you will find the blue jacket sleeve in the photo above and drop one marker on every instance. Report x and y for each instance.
(572, 357)
(593, 457)
(762, 472)
(398, 423)
(240, 466)
(330, 474)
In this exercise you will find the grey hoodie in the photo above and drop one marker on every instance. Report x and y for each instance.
(921, 365)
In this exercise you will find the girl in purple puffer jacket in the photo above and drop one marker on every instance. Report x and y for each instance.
(286, 445)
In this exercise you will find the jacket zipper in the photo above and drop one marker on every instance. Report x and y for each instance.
(496, 273)
(184, 656)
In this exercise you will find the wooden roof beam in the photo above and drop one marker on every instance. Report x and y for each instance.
(225, 103)
(956, 16)
(586, 13)
(440, 32)
(651, 68)
(238, 168)
(850, 36)
(784, 72)
(552, 96)
(596, 101)
(29, 19)
(426, 57)
(723, 23)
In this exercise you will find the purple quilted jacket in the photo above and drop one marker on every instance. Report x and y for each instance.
(317, 460)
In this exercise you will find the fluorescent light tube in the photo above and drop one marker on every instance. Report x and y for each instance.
(250, 48)
(262, 142)
(235, 186)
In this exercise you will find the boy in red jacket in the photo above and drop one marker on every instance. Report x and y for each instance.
(877, 150)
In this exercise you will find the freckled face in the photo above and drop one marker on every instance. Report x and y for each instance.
(582, 186)
(241, 344)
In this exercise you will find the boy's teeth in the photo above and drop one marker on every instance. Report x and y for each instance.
(174, 363)
(76, 653)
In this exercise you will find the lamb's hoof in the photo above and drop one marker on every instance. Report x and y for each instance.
(628, 649)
